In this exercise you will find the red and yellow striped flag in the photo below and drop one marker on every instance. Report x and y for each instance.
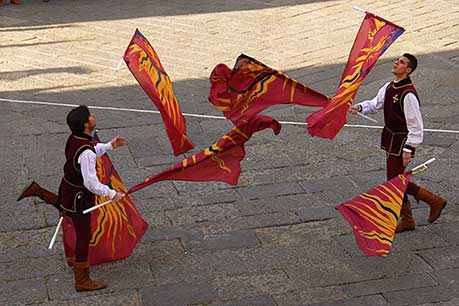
(144, 64)
(373, 215)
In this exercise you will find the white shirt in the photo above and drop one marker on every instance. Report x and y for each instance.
(87, 161)
(411, 109)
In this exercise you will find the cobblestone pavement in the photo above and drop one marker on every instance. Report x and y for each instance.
(275, 238)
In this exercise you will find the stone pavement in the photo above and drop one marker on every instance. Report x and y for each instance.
(275, 238)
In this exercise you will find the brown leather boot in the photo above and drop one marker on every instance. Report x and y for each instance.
(82, 280)
(435, 202)
(407, 222)
(35, 190)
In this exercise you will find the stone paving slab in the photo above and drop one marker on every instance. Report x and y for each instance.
(275, 238)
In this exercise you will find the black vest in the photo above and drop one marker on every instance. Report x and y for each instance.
(395, 131)
(73, 196)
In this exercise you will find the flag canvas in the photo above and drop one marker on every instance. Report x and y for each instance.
(220, 161)
(373, 215)
(373, 39)
(252, 87)
(143, 62)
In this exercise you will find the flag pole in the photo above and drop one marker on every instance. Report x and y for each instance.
(359, 9)
(366, 117)
(422, 166)
(118, 67)
(96, 207)
(51, 243)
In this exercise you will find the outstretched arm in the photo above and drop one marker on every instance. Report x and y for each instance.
(116, 142)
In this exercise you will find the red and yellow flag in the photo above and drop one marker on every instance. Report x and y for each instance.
(373, 215)
(220, 161)
(115, 228)
(252, 86)
(374, 37)
(146, 67)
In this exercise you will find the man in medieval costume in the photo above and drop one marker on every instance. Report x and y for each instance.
(79, 187)
(402, 133)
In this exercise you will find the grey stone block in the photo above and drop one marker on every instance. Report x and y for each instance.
(448, 231)
(179, 294)
(124, 297)
(258, 283)
(249, 222)
(35, 267)
(262, 300)
(263, 191)
(277, 204)
(434, 294)
(379, 286)
(375, 300)
(447, 278)
(117, 275)
(199, 267)
(356, 270)
(183, 232)
(442, 258)
(33, 290)
(421, 238)
(317, 213)
(230, 240)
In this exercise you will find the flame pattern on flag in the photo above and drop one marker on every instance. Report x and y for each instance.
(373, 215)
(218, 162)
(143, 61)
(115, 228)
(252, 87)
(373, 39)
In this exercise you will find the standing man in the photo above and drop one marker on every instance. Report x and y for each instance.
(402, 133)
(78, 188)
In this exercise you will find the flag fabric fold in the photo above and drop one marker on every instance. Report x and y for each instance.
(220, 161)
(115, 228)
(144, 64)
(252, 87)
(373, 215)
(373, 39)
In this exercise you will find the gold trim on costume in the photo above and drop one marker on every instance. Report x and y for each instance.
(77, 154)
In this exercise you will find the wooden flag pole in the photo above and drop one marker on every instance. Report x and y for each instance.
(51, 243)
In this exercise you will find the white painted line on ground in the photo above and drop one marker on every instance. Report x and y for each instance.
(194, 115)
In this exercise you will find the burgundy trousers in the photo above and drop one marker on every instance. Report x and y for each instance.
(394, 168)
(82, 224)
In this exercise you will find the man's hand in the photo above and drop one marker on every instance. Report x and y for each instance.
(354, 109)
(118, 141)
(118, 196)
(406, 158)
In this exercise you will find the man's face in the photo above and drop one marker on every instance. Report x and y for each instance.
(400, 66)
(92, 122)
